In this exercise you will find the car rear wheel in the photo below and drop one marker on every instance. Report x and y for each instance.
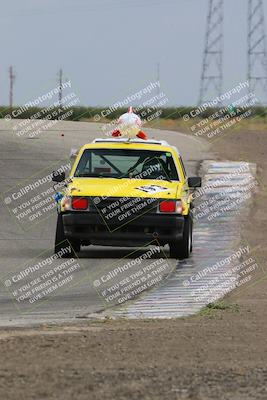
(68, 246)
(191, 244)
(181, 248)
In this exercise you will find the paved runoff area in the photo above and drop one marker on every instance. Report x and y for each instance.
(221, 260)
(152, 284)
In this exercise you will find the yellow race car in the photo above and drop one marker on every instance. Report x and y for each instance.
(126, 193)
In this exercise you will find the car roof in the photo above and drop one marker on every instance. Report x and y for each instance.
(132, 143)
(125, 140)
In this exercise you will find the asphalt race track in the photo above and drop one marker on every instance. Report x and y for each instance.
(25, 160)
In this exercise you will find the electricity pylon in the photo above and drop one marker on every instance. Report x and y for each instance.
(257, 55)
(212, 67)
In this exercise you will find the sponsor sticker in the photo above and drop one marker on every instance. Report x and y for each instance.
(152, 188)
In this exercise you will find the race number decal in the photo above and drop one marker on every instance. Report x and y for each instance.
(152, 188)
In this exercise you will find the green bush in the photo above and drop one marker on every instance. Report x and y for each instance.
(81, 113)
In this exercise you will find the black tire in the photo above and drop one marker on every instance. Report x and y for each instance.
(181, 248)
(63, 243)
(191, 246)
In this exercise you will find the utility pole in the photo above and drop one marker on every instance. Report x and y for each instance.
(11, 86)
(257, 54)
(212, 66)
(158, 77)
(60, 87)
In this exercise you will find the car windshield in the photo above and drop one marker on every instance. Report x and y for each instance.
(121, 163)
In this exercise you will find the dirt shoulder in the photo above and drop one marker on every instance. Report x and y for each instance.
(250, 144)
(220, 354)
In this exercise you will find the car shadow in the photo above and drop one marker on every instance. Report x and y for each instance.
(106, 252)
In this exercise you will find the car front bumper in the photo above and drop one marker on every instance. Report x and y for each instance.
(91, 227)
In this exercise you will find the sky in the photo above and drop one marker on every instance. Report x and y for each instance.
(109, 49)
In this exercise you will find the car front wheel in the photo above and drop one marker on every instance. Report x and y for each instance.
(67, 246)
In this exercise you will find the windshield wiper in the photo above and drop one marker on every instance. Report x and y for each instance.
(89, 176)
(166, 179)
(116, 177)
(99, 176)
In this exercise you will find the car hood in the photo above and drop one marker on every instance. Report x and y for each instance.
(108, 187)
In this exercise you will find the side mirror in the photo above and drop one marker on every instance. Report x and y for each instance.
(58, 176)
(194, 181)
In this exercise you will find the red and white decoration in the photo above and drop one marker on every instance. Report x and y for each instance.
(129, 125)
